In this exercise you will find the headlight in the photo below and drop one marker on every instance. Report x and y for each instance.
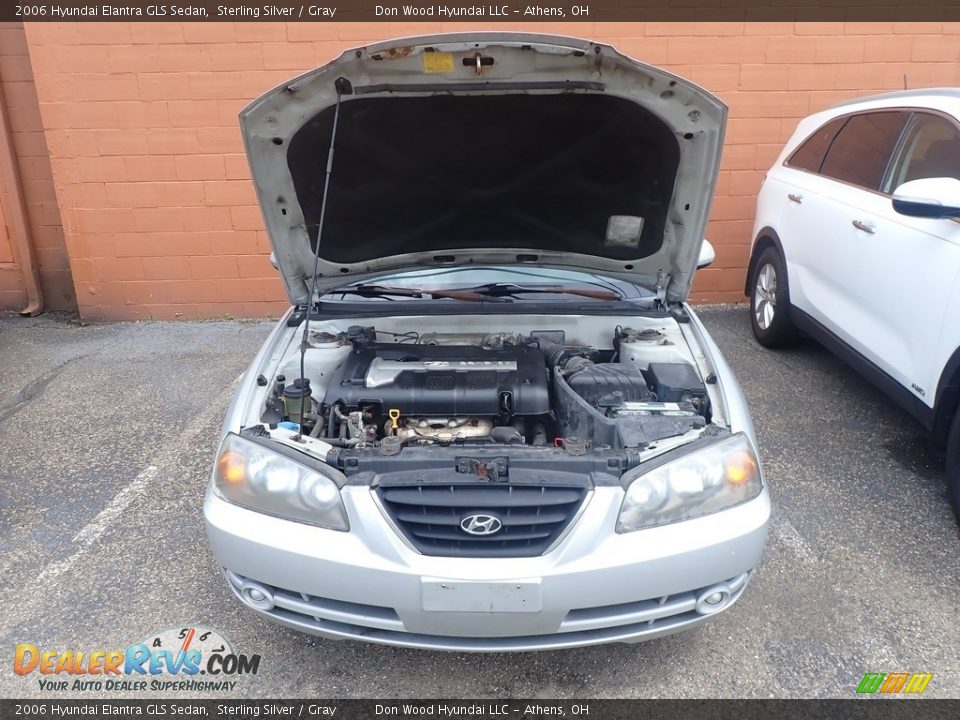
(262, 479)
(702, 482)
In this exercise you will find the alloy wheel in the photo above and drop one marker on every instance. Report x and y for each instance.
(765, 296)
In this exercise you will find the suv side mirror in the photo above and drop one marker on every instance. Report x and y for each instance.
(707, 255)
(928, 198)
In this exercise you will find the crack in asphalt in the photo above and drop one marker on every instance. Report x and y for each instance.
(33, 389)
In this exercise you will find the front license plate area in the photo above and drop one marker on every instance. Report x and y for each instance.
(480, 596)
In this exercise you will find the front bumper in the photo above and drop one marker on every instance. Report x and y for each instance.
(595, 586)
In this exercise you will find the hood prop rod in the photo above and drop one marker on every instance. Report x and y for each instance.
(339, 84)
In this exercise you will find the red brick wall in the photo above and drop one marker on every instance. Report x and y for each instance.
(34, 163)
(154, 191)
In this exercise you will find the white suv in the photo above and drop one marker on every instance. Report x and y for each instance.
(857, 243)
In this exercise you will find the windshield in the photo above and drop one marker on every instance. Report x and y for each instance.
(440, 279)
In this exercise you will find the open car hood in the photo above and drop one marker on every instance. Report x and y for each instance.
(486, 148)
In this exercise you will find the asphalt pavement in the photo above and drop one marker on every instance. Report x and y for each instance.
(107, 434)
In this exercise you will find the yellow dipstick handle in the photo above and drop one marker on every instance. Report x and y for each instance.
(394, 415)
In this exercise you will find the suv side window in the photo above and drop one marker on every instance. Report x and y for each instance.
(930, 148)
(861, 150)
(810, 154)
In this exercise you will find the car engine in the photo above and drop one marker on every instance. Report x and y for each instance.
(398, 389)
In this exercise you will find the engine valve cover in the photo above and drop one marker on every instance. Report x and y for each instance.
(443, 380)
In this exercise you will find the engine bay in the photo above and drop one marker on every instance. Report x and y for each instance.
(370, 387)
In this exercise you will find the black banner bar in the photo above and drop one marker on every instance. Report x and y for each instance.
(492, 12)
(873, 708)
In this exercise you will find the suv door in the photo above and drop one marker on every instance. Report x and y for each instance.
(876, 279)
(829, 258)
(791, 194)
(922, 256)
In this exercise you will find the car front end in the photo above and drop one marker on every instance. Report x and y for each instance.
(599, 542)
(490, 421)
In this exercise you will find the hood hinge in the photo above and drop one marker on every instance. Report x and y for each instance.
(663, 280)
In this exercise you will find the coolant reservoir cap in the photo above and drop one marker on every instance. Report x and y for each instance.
(297, 389)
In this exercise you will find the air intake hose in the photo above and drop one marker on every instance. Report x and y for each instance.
(557, 355)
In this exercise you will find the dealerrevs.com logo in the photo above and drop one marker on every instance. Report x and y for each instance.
(180, 659)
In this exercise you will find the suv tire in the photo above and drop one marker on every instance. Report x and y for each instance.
(953, 464)
(770, 301)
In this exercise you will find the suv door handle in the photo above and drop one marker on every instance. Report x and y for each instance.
(865, 226)
(793, 197)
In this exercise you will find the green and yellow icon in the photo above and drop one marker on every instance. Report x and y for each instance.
(893, 683)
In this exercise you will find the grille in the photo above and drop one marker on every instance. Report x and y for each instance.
(532, 517)
(321, 609)
(586, 626)
(441, 381)
(481, 380)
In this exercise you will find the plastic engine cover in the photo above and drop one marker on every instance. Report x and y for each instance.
(443, 380)
(610, 384)
(674, 382)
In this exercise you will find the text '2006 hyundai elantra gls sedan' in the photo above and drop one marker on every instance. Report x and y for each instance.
(489, 421)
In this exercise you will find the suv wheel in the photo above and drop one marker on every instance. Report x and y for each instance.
(770, 301)
(953, 465)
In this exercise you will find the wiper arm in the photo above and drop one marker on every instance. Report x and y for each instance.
(468, 295)
(491, 292)
(505, 289)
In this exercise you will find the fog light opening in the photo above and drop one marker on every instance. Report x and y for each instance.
(714, 599)
(257, 596)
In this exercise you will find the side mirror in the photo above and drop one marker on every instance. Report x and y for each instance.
(928, 198)
(273, 261)
(707, 255)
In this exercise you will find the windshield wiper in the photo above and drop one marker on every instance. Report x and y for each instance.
(490, 292)
(467, 295)
(500, 290)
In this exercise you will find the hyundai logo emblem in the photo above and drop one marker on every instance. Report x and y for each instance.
(480, 524)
